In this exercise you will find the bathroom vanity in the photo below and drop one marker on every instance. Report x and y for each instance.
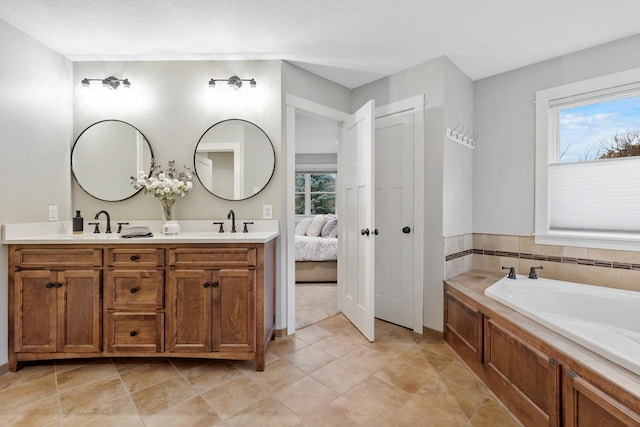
(202, 295)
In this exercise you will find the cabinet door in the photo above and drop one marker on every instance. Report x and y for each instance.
(234, 322)
(522, 376)
(79, 323)
(36, 311)
(587, 406)
(189, 311)
(463, 329)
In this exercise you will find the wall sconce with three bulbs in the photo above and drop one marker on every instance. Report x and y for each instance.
(234, 82)
(111, 82)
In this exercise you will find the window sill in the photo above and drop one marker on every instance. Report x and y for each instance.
(616, 241)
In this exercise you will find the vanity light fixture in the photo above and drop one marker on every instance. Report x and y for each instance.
(234, 82)
(110, 82)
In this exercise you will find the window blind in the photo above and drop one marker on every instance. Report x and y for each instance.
(602, 195)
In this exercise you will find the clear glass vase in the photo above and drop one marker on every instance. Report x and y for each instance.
(170, 225)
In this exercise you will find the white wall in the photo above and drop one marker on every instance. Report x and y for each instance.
(503, 178)
(36, 130)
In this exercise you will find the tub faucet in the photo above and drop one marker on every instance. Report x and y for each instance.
(108, 230)
(532, 272)
(232, 217)
(512, 272)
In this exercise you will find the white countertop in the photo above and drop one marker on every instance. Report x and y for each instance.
(196, 231)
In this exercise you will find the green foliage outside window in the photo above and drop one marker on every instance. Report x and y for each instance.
(315, 193)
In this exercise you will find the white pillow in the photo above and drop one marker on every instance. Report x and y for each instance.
(303, 226)
(315, 228)
(329, 226)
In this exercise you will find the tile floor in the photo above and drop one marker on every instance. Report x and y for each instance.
(325, 375)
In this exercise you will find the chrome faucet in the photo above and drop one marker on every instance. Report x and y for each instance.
(108, 230)
(232, 217)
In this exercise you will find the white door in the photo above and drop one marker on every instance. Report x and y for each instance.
(205, 166)
(394, 284)
(356, 236)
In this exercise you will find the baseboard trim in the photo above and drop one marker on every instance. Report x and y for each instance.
(432, 332)
(281, 333)
(4, 369)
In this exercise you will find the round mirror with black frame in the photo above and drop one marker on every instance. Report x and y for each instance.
(234, 159)
(106, 155)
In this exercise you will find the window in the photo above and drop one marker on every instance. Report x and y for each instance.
(588, 162)
(315, 193)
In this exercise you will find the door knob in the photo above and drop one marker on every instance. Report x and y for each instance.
(215, 284)
(206, 284)
(49, 285)
(364, 231)
(406, 230)
(375, 232)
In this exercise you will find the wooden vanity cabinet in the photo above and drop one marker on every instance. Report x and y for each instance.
(211, 310)
(56, 307)
(184, 300)
(134, 299)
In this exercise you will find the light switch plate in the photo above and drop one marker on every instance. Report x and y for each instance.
(53, 213)
(267, 212)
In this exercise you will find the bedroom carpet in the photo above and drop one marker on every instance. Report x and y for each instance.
(315, 302)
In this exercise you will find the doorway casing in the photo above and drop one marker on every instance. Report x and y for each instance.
(295, 103)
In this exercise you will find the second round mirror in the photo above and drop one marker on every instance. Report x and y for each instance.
(234, 159)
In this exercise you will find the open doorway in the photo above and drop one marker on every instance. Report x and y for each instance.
(316, 216)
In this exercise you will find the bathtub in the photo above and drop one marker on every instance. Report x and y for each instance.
(605, 320)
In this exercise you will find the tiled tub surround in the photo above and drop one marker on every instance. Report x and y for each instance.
(490, 252)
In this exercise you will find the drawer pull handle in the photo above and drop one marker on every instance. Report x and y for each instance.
(133, 257)
(215, 284)
(134, 290)
(49, 285)
(133, 333)
(206, 284)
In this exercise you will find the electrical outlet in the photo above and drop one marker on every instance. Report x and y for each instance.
(267, 212)
(53, 213)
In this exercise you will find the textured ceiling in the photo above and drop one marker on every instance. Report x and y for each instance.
(351, 42)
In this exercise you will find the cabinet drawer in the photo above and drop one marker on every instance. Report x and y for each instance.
(58, 257)
(131, 257)
(135, 332)
(134, 289)
(214, 257)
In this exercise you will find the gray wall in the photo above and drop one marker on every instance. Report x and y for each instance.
(172, 105)
(35, 129)
(503, 178)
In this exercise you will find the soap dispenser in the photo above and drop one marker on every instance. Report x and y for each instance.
(78, 224)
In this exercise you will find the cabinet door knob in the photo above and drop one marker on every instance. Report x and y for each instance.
(133, 333)
(49, 285)
(364, 231)
(406, 230)
(133, 257)
(58, 285)
(215, 284)
(206, 284)
(134, 290)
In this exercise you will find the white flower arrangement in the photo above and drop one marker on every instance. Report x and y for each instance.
(167, 186)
